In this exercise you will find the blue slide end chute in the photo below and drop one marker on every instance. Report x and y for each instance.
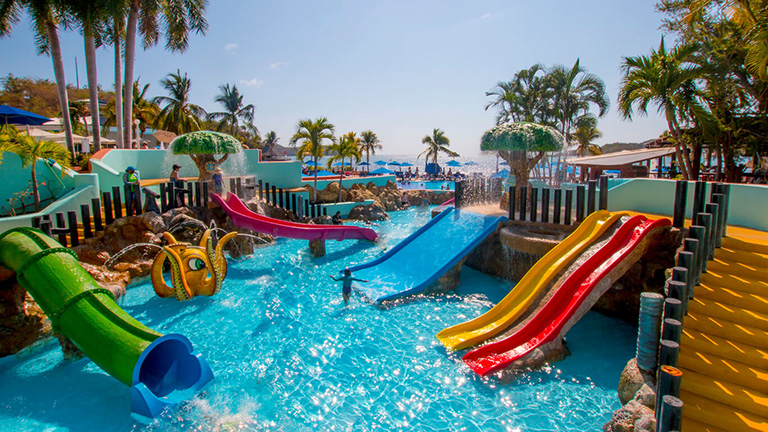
(168, 372)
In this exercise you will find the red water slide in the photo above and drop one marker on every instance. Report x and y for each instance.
(242, 216)
(549, 321)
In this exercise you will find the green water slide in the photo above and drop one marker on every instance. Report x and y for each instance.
(161, 369)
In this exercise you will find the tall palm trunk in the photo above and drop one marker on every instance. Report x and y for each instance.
(678, 150)
(61, 85)
(35, 190)
(93, 88)
(119, 82)
(341, 176)
(130, 54)
(314, 199)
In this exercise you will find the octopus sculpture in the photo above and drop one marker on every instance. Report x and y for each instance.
(195, 270)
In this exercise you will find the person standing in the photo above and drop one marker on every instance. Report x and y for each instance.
(347, 279)
(131, 179)
(218, 181)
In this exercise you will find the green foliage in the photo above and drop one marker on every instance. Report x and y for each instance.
(179, 115)
(146, 111)
(369, 143)
(234, 109)
(39, 96)
(205, 142)
(522, 136)
(436, 143)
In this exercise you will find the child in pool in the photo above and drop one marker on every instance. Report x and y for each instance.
(347, 284)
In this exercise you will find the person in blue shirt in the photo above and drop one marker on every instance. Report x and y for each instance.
(347, 279)
(218, 181)
(131, 178)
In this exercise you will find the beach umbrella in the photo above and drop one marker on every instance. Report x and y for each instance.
(501, 174)
(201, 146)
(453, 163)
(338, 164)
(503, 163)
(310, 163)
(363, 164)
(471, 163)
(382, 171)
(395, 163)
(406, 164)
(381, 163)
(11, 115)
(164, 136)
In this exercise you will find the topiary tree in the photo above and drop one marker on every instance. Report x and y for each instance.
(202, 146)
(522, 145)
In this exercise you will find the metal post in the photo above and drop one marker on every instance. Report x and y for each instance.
(669, 351)
(523, 203)
(118, 206)
(557, 204)
(681, 195)
(107, 200)
(714, 211)
(534, 204)
(511, 206)
(96, 209)
(667, 384)
(705, 220)
(687, 259)
(545, 205)
(680, 276)
(580, 190)
(591, 196)
(698, 232)
(74, 238)
(568, 207)
(85, 216)
(603, 201)
(671, 417)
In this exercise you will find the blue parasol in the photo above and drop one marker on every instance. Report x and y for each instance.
(11, 115)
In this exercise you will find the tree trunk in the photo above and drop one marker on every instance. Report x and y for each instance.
(678, 149)
(130, 54)
(314, 199)
(119, 82)
(93, 89)
(61, 85)
(341, 176)
(35, 191)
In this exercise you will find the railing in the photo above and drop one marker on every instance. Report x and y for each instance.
(709, 225)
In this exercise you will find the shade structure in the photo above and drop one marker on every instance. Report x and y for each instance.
(406, 164)
(618, 159)
(501, 174)
(453, 163)
(394, 163)
(338, 164)
(382, 171)
(11, 115)
(381, 163)
(363, 164)
(40, 134)
(471, 163)
(164, 136)
(311, 163)
(205, 142)
(503, 163)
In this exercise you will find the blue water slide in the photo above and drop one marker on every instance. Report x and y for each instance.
(415, 263)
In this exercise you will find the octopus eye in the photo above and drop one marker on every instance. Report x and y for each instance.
(196, 264)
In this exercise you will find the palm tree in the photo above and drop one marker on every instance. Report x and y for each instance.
(525, 98)
(310, 135)
(232, 101)
(347, 147)
(30, 150)
(90, 17)
(573, 91)
(118, 9)
(143, 110)
(178, 116)
(666, 79)
(45, 19)
(369, 143)
(436, 143)
(270, 140)
(178, 18)
(586, 132)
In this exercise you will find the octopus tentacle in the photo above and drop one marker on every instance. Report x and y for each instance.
(178, 276)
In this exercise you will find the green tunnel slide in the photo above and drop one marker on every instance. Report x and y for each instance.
(162, 370)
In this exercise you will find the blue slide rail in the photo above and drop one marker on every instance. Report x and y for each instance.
(415, 263)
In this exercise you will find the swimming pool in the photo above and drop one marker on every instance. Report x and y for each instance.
(428, 185)
(288, 356)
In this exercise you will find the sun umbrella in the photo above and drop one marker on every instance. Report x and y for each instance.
(406, 164)
(395, 163)
(363, 164)
(382, 171)
(338, 164)
(164, 136)
(501, 174)
(503, 163)
(11, 115)
(453, 163)
(41, 134)
(471, 163)
(382, 163)
(311, 163)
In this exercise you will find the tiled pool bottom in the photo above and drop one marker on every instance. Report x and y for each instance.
(288, 356)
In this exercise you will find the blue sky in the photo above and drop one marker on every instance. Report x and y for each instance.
(400, 68)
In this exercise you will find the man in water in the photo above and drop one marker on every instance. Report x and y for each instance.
(347, 284)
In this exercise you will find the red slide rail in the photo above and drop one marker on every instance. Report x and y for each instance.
(547, 324)
(242, 216)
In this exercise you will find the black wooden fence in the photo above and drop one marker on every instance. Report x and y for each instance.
(288, 200)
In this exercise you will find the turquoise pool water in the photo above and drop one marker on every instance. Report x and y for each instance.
(428, 185)
(288, 356)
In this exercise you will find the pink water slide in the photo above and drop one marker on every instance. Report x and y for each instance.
(551, 320)
(242, 216)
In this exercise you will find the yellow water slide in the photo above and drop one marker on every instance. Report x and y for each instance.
(724, 346)
(511, 307)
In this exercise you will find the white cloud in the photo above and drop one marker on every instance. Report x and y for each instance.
(277, 65)
(253, 82)
(231, 48)
(487, 15)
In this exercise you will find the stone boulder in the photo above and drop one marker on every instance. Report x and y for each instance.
(22, 322)
(623, 419)
(372, 212)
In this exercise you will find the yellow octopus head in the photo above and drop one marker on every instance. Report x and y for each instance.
(195, 270)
